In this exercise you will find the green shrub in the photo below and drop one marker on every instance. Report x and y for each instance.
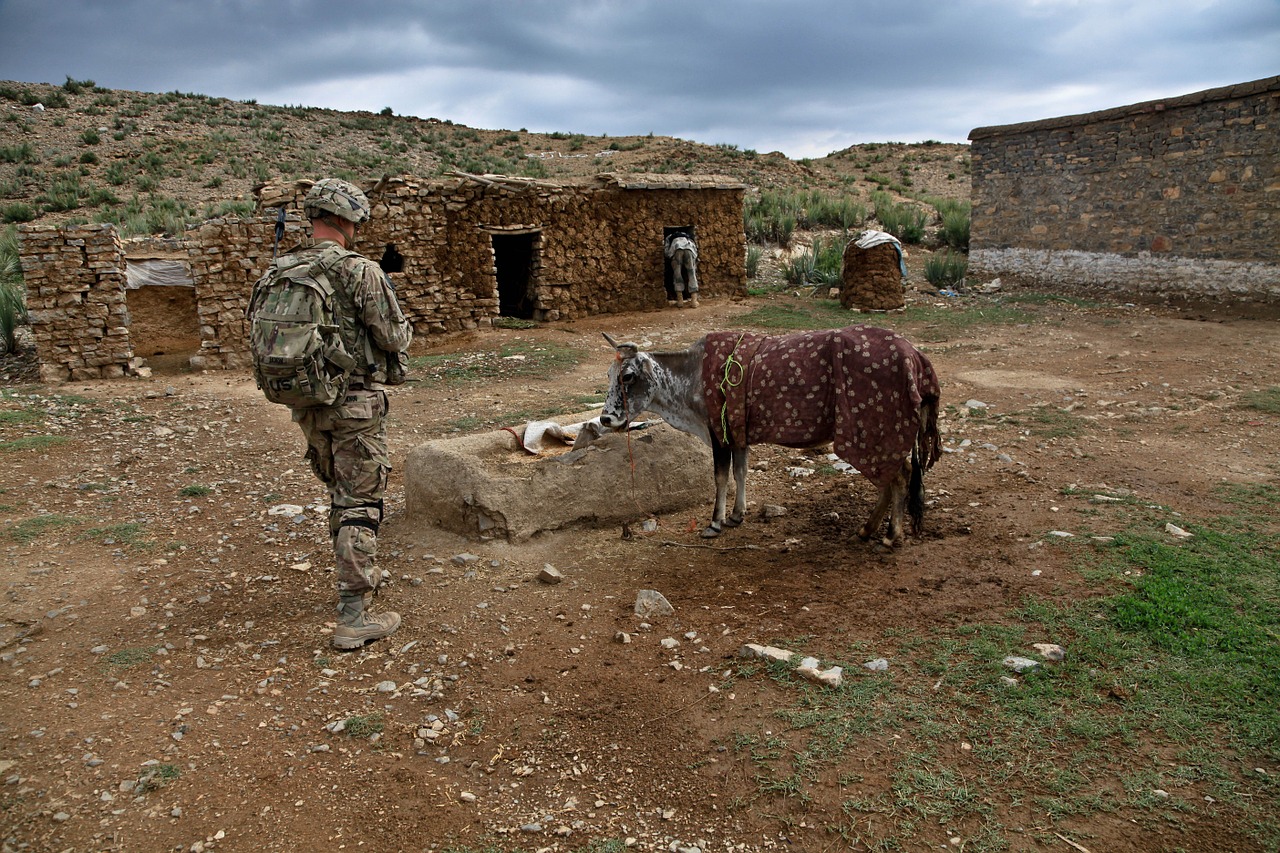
(819, 265)
(955, 229)
(954, 214)
(754, 254)
(75, 87)
(13, 304)
(946, 270)
(64, 194)
(90, 137)
(23, 152)
(903, 220)
(17, 212)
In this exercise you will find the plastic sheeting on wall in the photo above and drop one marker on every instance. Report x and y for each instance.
(154, 272)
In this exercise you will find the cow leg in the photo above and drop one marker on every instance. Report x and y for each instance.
(720, 456)
(898, 506)
(740, 497)
(893, 502)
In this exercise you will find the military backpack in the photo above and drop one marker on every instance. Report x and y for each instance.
(295, 342)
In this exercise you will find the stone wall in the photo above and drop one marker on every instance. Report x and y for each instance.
(596, 249)
(1173, 197)
(75, 284)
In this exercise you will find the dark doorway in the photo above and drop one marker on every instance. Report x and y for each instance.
(669, 231)
(513, 261)
(392, 260)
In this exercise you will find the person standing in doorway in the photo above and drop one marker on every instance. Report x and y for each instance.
(682, 254)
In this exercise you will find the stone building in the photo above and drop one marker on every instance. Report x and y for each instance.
(1178, 197)
(465, 251)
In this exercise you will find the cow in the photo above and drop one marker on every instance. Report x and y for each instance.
(866, 390)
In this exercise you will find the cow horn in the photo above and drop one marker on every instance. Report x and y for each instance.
(611, 341)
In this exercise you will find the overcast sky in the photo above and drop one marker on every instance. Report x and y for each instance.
(806, 77)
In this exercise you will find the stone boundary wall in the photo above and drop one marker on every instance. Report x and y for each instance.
(75, 282)
(1176, 197)
(597, 246)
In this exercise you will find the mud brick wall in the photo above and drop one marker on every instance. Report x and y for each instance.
(75, 284)
(596, 249)
(1177, 197)
(598, 245)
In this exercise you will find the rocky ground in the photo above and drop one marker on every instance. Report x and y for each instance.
(164, 633)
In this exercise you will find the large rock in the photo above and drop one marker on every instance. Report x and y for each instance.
(487, 486)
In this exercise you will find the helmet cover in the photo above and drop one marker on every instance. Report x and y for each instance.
(342, 199)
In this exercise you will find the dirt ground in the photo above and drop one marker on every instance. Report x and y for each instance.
(165, 666)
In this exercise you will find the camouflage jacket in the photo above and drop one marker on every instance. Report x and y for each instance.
(370, 312)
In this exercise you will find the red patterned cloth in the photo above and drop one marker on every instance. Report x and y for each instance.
(859, 387)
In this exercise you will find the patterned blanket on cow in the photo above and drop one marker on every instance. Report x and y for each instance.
(859, 387)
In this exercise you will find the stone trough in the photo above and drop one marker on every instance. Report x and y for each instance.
(487, 486)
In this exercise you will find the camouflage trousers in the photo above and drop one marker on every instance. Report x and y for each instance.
(347, 451)
(684, 271)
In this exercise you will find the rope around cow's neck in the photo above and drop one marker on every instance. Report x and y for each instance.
(727, 382)
(631, 457)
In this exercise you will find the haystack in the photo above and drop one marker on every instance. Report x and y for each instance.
(872, 277)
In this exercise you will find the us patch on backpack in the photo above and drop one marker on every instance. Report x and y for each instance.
(294, 339)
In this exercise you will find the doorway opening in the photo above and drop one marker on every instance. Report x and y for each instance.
(669, 231)
(515, 262)
(164, 325)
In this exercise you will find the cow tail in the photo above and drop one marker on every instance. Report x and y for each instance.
(925, 451)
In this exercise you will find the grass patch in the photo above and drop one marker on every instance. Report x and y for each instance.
(364, 725)
(941, 323)
(195, 491)
(818, 314)
(31, 529)
(517, 359)
(18, 417)
(1171, 682)
(1263, 401)
(126, 534)
(130, 657)
(1048, 422)
(1049, 299)
(33, 442)
(156, 777)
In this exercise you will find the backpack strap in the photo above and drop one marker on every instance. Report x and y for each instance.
(330, 258)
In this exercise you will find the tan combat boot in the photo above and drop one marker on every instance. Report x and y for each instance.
(357, 627)
(693, 300)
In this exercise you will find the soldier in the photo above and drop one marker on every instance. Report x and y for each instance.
(347, 442)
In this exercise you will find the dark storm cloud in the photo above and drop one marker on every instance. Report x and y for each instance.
(805, 77)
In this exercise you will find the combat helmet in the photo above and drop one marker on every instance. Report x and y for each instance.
(338, 197)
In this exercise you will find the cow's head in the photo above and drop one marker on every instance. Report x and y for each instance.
(629, 386)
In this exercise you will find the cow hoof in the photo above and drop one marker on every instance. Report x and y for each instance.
(864, 534)
(710, 532)
(733, 521)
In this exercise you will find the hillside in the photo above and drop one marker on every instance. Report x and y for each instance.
(152, 162)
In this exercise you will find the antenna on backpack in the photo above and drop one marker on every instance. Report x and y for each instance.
(279, 232)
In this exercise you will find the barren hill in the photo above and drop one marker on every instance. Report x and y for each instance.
(152, 162)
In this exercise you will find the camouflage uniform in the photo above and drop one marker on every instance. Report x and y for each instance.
(682, 253)
(347, 442)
